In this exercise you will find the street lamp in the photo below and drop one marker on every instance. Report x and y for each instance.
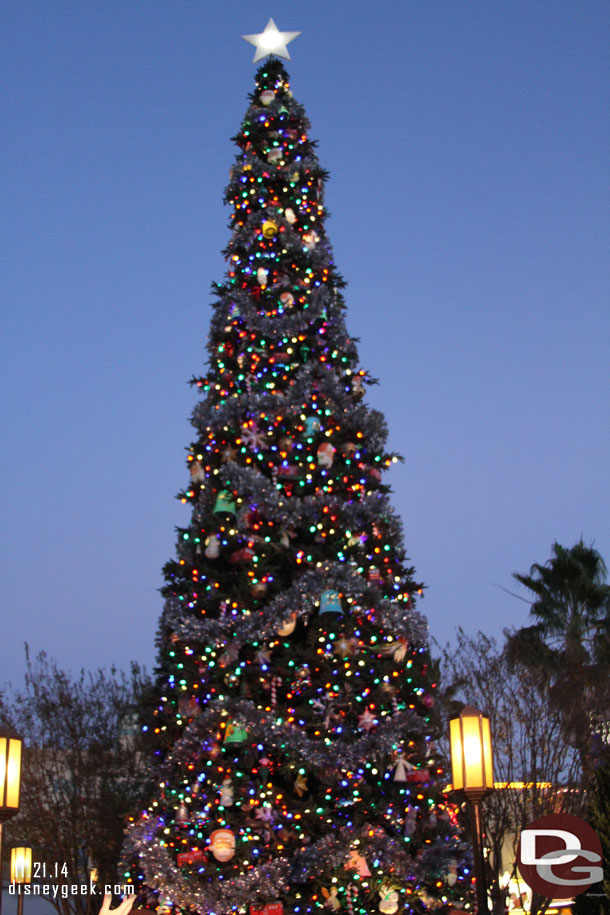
(472, 773)
(10, 777)
(21, 871)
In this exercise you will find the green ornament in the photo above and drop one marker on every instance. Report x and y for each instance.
(235, 734)
(224, 504)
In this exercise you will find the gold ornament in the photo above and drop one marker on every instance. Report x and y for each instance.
(269, 229)
(288, 626)
(300, 785)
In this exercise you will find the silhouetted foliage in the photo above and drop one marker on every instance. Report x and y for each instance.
(539, 774)
(567, 648)
(83, 773)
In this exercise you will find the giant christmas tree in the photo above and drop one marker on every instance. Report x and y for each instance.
(294, 733)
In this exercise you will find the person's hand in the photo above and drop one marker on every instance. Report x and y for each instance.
(123, 909)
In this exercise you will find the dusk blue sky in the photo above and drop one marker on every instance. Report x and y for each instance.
(468, 149)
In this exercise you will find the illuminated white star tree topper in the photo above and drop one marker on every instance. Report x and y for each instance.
(271, 41)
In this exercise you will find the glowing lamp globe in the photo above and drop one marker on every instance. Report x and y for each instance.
(21, 865)
(10, 772)
(471, 753)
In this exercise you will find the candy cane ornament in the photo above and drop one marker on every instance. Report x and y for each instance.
(275, 682)
(349, 897)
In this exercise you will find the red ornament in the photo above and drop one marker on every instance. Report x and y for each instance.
(245, 555)
(191, 857)
(289, 472)
(250, 518)
(418, 776)
(272, 908)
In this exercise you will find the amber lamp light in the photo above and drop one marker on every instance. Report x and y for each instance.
(472, 773)
(10, 778)
(471, 756)
(10, 772)
(21, 865)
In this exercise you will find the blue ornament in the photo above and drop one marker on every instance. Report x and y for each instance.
(312, 424)
(330, 602)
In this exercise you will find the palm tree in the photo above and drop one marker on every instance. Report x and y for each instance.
(568, 645)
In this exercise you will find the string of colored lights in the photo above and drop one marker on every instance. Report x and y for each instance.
(294, 734)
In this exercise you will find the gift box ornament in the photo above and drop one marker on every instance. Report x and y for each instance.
(224, 504)
(330, 602)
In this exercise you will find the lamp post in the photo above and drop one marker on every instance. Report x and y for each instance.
(10, 777)
(472, 773)
(21, 871)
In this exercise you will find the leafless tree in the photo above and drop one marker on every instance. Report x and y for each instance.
(82, 774)
(537, 770)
